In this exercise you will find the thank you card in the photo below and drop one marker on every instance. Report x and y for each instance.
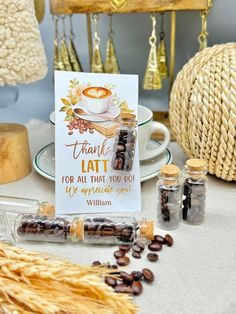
(97, 164)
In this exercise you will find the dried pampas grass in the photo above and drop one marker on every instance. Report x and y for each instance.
(35, 283)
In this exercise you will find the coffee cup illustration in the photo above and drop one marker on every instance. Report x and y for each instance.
(97, 99)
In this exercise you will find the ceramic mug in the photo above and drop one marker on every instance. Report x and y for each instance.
(96, 99)
(146, 127)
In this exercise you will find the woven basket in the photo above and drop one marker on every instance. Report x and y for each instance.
(203, 109)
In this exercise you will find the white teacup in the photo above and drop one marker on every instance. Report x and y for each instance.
(146, 127)
(96, 99)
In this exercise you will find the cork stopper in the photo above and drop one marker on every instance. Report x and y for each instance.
(47, 210)
(77, 230)
(126, 115)
(147, 230)
(196, 164)
(169, 171)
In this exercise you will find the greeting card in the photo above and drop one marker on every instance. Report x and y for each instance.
(97, 165)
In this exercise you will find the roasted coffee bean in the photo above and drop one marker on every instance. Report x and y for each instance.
(114, 266)
(96, 263)
(147, 275)
(118, 163)
(152, 257)
(119, 253)
(124, 247)
(120, 148)
(136, 254)
(110, 281)
(123, 288)
(107, 232)
(127, 278)
(137, 275)
(140, 244)
(169, 240)
(159, 239)
(137, 287)
(123, 261)
(137, 248)
(155, 246)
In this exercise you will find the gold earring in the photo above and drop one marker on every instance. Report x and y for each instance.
(58, 64)
(202, 38)
(161, 52)
(152, 78)
(74, 59)
(111, 63)
(64, 49)
(97, 65)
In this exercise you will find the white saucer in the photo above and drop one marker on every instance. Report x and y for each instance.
(44, 163)
(113, 112)
(151, 150)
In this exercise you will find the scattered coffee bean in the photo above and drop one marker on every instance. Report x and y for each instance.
(137, 287)
(137, 248)
(140, 244)
(137, 275)
(136, 254)
(124, 247)
(147, 275)
(123, 288)
(152, 257)
(123, 261)
(155, 246)
(159, 239)
(119, 253)
(96, 263)
(110, 281)
(169, 240)
(114, 266)
(127, 278)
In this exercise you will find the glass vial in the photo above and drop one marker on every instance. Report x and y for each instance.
(95, 230)
(194, 192)
(125, 142)
(12, 204)
(169, 197)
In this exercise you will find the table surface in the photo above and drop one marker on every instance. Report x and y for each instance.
(195, 276)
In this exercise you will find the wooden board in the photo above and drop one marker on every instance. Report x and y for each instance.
(124, 6)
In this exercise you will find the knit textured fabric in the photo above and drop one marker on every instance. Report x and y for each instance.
(22, 55)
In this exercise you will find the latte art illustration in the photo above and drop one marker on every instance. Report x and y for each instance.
(97, 99)
(96, 92)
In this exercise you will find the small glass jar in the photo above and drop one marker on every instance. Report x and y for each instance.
(169, 197)
(194, 192)
(94, 230)
(12, 204)
(125, 142)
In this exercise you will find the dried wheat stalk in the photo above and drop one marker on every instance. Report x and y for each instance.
(35, 283)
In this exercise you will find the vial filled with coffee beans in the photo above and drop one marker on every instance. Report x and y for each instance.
(169, 196)
(125, 142)
(194, 192)
(94, 230)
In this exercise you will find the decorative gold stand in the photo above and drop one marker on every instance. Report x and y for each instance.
(133, 6)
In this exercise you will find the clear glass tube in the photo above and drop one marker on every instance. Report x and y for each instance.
(10, 206)
(94, 230)
(124, 145)
(169, 198)
(194, 195)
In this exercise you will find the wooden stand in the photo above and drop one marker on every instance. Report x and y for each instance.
(15, 162)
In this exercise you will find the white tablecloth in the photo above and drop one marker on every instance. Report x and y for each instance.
(195, 276)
